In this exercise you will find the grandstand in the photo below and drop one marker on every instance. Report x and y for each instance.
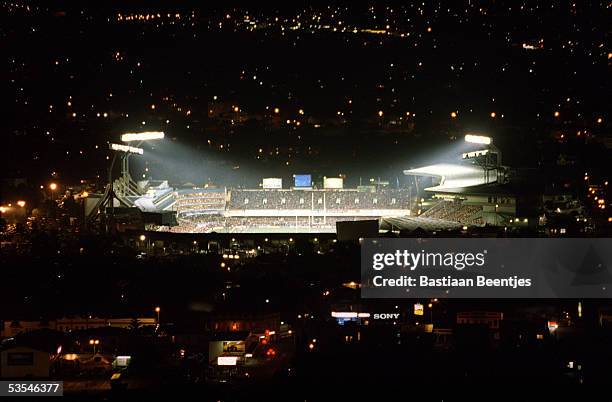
(195, 202)
(474, 192)
(455, 211)
(283, 210)
(411, 223)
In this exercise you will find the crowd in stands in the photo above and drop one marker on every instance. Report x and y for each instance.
(210, 223)
(319, 199)
(196, 201)
(201, 211)
(455, 211)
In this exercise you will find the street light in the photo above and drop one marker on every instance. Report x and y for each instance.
(94, 343)
(157, 310)
(53, 186)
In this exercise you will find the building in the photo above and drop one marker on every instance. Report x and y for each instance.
(24, 362)
(15, 327)
(491, 319)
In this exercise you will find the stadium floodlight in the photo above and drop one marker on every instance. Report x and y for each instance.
(478, 139)
(444, 170)
(143, 136)
(126, 148)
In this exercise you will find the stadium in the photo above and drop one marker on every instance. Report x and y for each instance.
(475, 191)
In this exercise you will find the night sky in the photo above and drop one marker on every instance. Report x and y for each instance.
(359, 89)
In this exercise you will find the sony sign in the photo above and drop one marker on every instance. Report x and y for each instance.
(386, 316)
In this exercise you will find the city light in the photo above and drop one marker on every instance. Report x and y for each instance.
(142, 136)
(342, 314)
(94, 343)
(478, 139)
(262, 219)
(227, 360)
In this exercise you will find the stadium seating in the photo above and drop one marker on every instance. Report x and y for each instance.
(318, 199)
(455, 211)
(206, 210)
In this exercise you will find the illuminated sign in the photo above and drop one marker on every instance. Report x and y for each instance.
(418, 309)
(344, 314)
(122, 361)
(227, 360)
(272, 182)
(233, 346)
(333, 182)
(349, 314)
(302, 180)
(386, 316)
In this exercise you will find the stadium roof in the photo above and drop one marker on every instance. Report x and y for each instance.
(415, 222)
(453, 175)
(444, 169)
(199, 190)
(488, 189)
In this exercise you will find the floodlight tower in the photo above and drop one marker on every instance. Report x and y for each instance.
(127, 186)
(489, 158)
